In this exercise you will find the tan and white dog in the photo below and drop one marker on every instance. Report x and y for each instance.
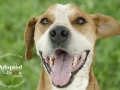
(65, 38)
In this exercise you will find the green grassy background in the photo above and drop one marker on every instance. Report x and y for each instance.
(13, 17)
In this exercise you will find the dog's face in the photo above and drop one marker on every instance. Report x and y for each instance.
(65, 37)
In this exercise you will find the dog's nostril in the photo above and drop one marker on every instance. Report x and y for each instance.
(53, 33)
(64, 33)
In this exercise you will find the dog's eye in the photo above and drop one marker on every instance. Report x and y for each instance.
(44, 21)
(80, 20)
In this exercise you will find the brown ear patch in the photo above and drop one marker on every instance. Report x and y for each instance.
(28, 37)
(106, 26)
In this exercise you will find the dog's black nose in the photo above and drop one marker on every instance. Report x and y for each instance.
(59, 34)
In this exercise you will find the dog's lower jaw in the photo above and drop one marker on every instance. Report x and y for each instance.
(81, 79)
(84, 81)
(79, 83)
(75, 85)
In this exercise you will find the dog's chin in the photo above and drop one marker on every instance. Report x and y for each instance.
(61, 66)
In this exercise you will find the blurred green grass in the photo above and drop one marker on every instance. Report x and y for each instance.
(13, 17)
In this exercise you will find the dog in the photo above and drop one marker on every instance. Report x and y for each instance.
(65, 38)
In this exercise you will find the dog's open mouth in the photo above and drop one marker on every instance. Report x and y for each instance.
(62, 66)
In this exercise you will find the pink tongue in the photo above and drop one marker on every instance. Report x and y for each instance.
(61, 71)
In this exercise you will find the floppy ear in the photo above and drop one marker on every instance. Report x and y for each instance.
(106, 26)
(28, 37)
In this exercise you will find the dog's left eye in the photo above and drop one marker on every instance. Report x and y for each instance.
(80, 20)
(44, 21)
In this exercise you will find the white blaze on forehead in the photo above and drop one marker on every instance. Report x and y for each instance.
(62, 12)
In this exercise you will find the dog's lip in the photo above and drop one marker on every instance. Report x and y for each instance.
(46, 61)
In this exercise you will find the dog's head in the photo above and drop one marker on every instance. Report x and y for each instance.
(65, 37)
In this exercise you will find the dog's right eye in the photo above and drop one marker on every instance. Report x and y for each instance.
(44, 21)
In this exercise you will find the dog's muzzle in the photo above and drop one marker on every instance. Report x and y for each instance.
(61, 65)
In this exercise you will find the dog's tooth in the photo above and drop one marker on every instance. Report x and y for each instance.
(51, 61)
(74, 62)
